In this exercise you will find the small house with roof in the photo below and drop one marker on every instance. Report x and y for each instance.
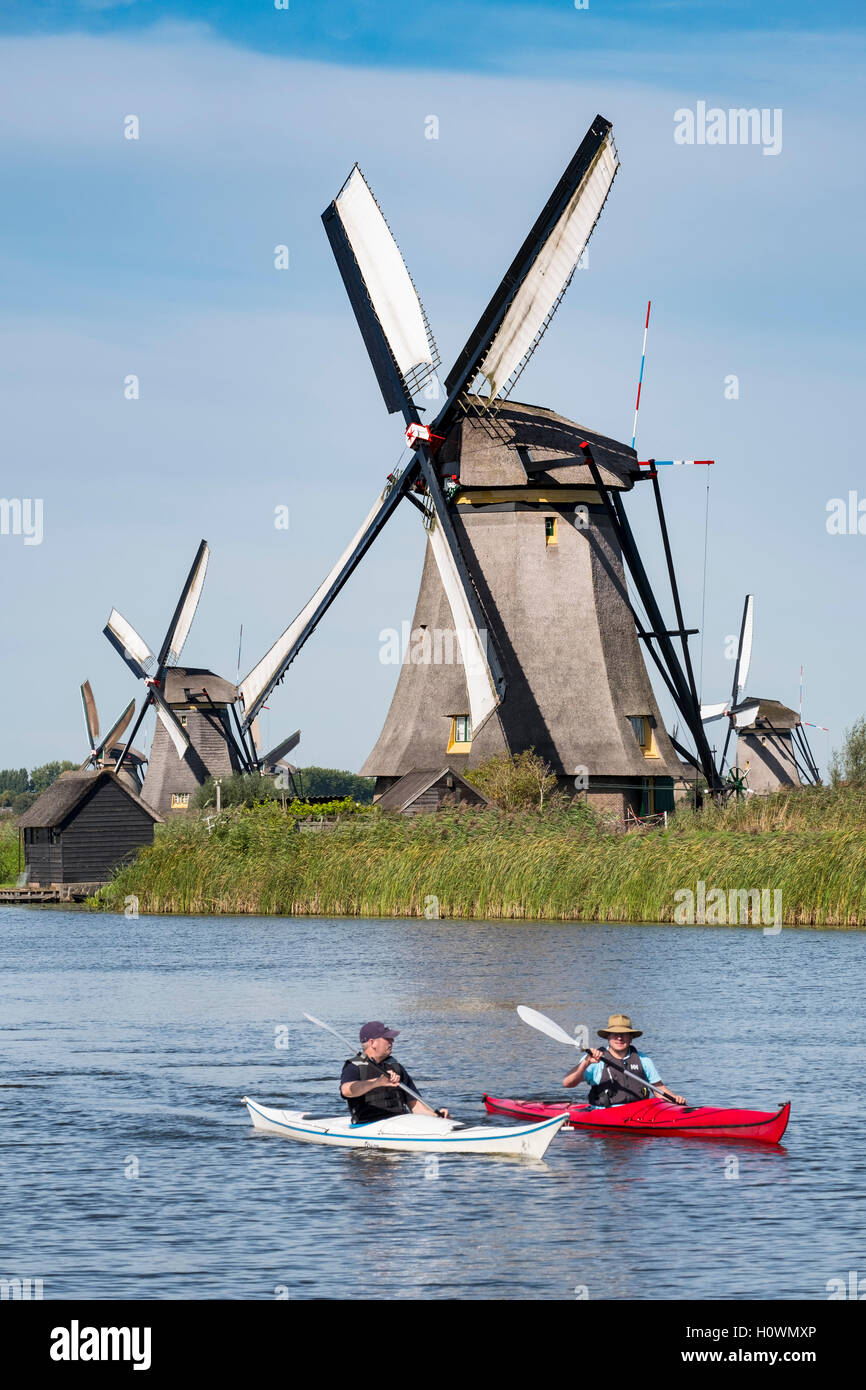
(421, 790)
(82, 827)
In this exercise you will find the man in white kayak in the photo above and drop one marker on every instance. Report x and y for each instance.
(371, 1089)
(610, 1086)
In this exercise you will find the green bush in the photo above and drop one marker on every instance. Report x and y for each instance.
(848, 764)
(8, 850)
(515, 782)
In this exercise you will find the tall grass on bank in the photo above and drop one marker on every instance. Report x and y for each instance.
(8, 851)
(561, 864)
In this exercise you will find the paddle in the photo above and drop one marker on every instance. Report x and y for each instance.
(553, 1030)
(328, 1029)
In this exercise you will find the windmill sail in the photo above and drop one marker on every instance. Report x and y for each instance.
(473, 643)
(178, 629)
(513, 322)
(710, 712)
(91, 718)
(380, 289)
(255, 688)
(276, 754)
(743, 717)
(745, 652)
(134, 650)
(112, 738)
(173, 727)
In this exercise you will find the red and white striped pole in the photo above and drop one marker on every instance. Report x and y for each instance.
(640, 378)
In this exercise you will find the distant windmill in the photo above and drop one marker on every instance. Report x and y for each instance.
(526, 532)
(770, 736)
(108, 751)
(194, 738)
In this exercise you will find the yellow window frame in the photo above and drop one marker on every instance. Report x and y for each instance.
(456, 745)
(647, 742)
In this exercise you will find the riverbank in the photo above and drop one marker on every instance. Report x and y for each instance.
(795, 859)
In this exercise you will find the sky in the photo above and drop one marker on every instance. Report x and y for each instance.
(154, 258)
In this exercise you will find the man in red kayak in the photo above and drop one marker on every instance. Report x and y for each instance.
(371, 1089)
(615, 1073)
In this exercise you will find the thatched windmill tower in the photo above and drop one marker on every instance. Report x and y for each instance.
(545, 561)
(198, 733)
(524, 634)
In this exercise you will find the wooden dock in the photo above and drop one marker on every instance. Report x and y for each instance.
(56, 893)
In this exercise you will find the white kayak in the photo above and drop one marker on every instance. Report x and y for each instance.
(408, 1133)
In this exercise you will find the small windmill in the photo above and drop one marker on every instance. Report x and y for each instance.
(769, 734)
(108, 751)
(526, 529)
(194, 737)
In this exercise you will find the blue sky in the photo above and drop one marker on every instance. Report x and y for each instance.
(155, 257)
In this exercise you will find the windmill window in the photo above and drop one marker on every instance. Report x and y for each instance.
(550, 536)
(461, 734)
(183, 720)
(643, 732)
(179, 801)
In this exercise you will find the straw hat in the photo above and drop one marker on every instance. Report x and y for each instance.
(619, 1023)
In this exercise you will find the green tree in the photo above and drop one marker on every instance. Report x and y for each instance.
(330, 781)
(14, 780)
(848, 764)
(242, 789)
(518, 782)
(42, 777)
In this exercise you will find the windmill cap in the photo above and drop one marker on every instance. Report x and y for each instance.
(619, 1023)
(377, 1030)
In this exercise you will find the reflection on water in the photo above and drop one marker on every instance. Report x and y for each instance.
(131, 1041)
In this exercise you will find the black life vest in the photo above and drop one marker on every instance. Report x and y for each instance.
(615, 1088)
(390, 1100)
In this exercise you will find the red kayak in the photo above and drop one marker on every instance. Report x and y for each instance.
(656, 1116)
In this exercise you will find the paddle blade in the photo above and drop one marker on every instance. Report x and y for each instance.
(545, 1025)
(328, 1029)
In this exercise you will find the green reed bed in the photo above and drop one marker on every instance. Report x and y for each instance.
(8, 851)
(560, 864)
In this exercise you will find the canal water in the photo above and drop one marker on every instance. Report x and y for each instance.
(130, 1168)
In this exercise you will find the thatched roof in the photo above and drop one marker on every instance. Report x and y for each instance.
(534, 445)
(770, 712)
(59, 800)
(186, 685)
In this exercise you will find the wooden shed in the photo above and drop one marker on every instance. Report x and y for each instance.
(82, 827)
(421, 790)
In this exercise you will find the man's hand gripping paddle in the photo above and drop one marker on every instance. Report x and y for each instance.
(352, 1049)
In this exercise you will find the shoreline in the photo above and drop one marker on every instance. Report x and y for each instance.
(796, 859)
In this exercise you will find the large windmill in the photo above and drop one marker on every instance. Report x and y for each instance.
(772, 748)
(198, 733)
(525, 630)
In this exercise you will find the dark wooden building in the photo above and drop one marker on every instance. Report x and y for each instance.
(422, 790)
(82, 827)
